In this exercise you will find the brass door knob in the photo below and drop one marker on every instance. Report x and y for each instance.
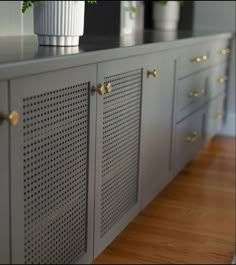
(12, 118)
(224, 51)
(108, 87)
(100, 89)
(221, 79)
(152, 73)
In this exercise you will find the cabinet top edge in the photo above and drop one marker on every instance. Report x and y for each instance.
(21, 55)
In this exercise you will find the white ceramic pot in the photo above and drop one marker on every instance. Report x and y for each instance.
(59, 23)
(128, 21)
(166, 17)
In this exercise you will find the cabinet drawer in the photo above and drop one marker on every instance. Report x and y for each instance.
(191, 93)
(215, 116)
(193, 59)
(217, 80)
(220, 50)
(189, 138)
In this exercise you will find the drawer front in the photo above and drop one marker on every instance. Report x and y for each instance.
(220, 50)
(217, 80)
(215, 116)
(193, 59)
(191, 93)
(190, 135)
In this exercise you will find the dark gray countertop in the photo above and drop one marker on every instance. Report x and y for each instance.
(23, 53)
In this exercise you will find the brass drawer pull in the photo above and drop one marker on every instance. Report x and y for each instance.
(221, 79)
(199, 59)
(196, 93)
(224, 51)
(193, 137)
(12, 118)
(219, 115)
(152, 73)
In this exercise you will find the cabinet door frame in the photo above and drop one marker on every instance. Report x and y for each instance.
(157, 140)
(4, 178)
(39, 84)
(107, 69)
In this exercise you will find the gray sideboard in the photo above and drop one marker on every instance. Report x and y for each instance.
(90, 135)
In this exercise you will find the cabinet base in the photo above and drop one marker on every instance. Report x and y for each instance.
(58, 40)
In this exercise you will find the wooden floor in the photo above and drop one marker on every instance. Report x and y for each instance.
(191, 222)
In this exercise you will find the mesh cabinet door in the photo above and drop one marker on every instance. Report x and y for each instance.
(52, 167)
(117, 196)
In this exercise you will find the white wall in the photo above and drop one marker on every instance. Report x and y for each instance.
(12, 21)
(220, 16)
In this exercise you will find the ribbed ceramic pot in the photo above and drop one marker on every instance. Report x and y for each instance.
(59, 23)
(166, 16)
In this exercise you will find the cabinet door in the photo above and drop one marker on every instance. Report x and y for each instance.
(117, 196)
(4, 178)
(157, 121)
(52, 167)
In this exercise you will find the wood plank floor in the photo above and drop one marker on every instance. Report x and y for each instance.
(192, 221)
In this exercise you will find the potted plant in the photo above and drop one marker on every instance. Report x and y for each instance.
(57, 23)
(166, 15)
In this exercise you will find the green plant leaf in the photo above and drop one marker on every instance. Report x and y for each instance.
(26, 4)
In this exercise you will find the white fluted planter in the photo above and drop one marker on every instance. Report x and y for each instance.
(59, 23)
(166, 17)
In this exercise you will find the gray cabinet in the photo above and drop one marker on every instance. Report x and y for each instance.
(95, 144)
(117, 196)
(157, 122)
(52, 157)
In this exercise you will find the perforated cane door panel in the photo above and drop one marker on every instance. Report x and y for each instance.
(52, 167)
(118, 144)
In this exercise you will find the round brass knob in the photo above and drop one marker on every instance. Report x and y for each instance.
(108, 87)
(152, 72)
(100, 89)
(221, 79)
(12, 118)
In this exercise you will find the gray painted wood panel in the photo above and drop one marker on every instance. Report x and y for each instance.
(186, 102)
(215, 116)
(185, 151)
(4, 179)
(126, 76)
(157, 122)
(54, 89)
